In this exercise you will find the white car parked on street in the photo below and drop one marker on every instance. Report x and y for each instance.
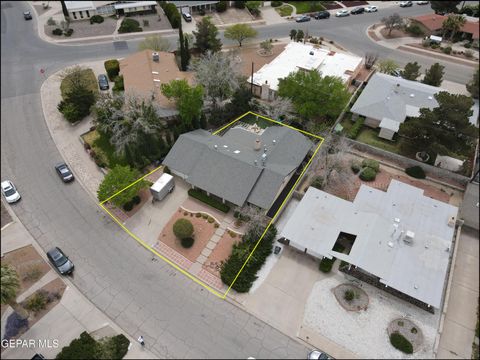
(10, 192)
(371, 8)
(342, 13)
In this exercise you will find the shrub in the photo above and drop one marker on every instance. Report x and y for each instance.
(356, 127)
(198, 215)
(86, 146)
(120, 346)
(69, 32)
(51, 22)
(400, 323)
(221, 6)
(211, 220)
(128, 206)
(355, 167)
(469, 53)
(166, 170)
(96, 19)
(368, 174)
(401, 343)
(183, 228)
(216, 226)
(435, 46)
(199, 195)
(317, 182)
(326, 264)
(349, 295)
(331, 41)
(373, 164)
(36, 302)
(14, 324)
(136, 200)
(467, 45)
(118, 84)
(276, 3)
(204, 216)
(447, 50)
(32, 274)
(187, 242)
(129, 25)
(416, 172)
(57, 32)
(425, 43)
(185, 213)
(112, 67)
(413, 330)
(85, 347)
(415, 30)
(146, 23)
(241, 4)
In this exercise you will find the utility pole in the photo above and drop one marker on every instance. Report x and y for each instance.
(251, 82)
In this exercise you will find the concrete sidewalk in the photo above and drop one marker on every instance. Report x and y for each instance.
(68, 319)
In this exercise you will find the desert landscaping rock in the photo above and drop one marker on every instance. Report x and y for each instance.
(359, 302)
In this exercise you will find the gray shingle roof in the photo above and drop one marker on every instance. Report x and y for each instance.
(225, 165)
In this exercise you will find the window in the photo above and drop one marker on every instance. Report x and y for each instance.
(88, 14)
(81, 14)
(74, 15)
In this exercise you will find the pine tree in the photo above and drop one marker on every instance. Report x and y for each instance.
(203, 121)
(434, 75)
(170, 139)
(183, 58)
(176, 133)
(196, 123)
(187, 53)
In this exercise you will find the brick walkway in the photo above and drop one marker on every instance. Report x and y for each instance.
(173, 255)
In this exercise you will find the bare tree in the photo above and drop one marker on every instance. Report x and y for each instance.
(276, 108)
(391, 22)
(370, 59)
(155, 43)
(257, 220)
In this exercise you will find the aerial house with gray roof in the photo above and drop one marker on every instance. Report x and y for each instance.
(246, 165)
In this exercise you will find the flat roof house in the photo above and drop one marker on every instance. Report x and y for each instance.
(144, 71)
(401, 238)
(387, 101)
(78, 10)
(195, 6)
(241, 166)
(298, 56)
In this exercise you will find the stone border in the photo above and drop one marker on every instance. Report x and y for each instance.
(200, 212)
(343, 303)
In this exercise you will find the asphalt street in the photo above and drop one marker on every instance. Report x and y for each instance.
(145, 297)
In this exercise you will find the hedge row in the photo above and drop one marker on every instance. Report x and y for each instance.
(129, 26)
(355, 129)
(240, 254)
(200, 195)
(326, 264)
(86, 347)
(113, 68)
(172, 14)
(416, 172)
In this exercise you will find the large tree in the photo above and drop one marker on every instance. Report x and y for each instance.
(387, 66)
(117, 182)
(452, 24)
(219, 76)
(411, 71)
(434, 75)
(240, 32)
(391, 22)
(183, 51)
(189, 100)
(444, 6)
(473, 85)
(314, 95)
(9, 289)
(443, 130)
(279, 107)
(155, 43)
(206, 36)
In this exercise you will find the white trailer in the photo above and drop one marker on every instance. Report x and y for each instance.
(162, 187)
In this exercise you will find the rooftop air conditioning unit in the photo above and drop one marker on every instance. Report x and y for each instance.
(451, 221)
(409, 236)
(155, 56)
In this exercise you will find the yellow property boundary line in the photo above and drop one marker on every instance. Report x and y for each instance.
(186, 273)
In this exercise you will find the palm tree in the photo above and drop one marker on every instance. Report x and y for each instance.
(9, 288)
(453, 24)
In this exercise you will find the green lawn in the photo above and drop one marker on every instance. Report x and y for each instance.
(102, 147)
(284, 10)
(307, 6)
(87, 75)
(370, 136)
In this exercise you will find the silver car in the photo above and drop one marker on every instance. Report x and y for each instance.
(10, 192)
(61, 262)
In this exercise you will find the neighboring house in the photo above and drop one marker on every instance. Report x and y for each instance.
(245, 165)
(431, 24)
(387, 101)
(195, 6)
(298, 56)
(401, 238)
(144, 71)
(78, 10)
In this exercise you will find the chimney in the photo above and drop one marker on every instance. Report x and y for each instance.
(264, 158)
(451, 221)
(409, 236)
(258, 144)
(155, 56)
(265, 95)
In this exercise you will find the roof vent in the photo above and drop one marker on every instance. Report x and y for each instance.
(274, 141)
(390, 244)
(412, 95)
(255, 162)
(258, 144)
(415, 286)
(236, 152)
(430, 98)
(215, 146)
(264, 149)
(225, 146)
(451, 221)
(409, 236)
(311, 53)
(155, 56)
(264, 158)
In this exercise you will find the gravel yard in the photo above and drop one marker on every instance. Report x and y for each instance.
(365, 332)
(83, 28)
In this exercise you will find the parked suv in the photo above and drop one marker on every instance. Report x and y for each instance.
(322, 15)
(186, 15)
(357, 10)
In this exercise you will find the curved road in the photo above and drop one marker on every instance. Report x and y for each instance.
(177, 317)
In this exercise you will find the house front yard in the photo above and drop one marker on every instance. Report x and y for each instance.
(307, 6)
(102, 149)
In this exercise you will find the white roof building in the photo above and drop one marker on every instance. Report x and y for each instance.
(402, 237)
(303, 56)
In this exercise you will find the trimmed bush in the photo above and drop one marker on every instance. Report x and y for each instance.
(199, 195)
(401, 343)
(33, 273)
(447, 50)
(467, 45)
(241, 4)
(276, 3)
(68, 33)
(416, 172)
(373, 164)
(468, 53)
(415, 30)
(128, 206)
(198, 215)
(349, 295)
(221, 6)
(57, 32)
(326, 264)
(356, 167)
(36, 302)
(210, 220)
(368, 174)
(434, 46)
(356, 127)
(129, 25)
(136, 200)
(118, 84)
(51, 22)
(317, 182)
(187, 242)
(183, 228)
(112, 67)
(96, 19)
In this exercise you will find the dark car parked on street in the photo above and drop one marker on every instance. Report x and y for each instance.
(103, 82)
(302, 18)
(357, 10)
(27, 15)
(64, 172)
(322, 15)
(60, 261)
